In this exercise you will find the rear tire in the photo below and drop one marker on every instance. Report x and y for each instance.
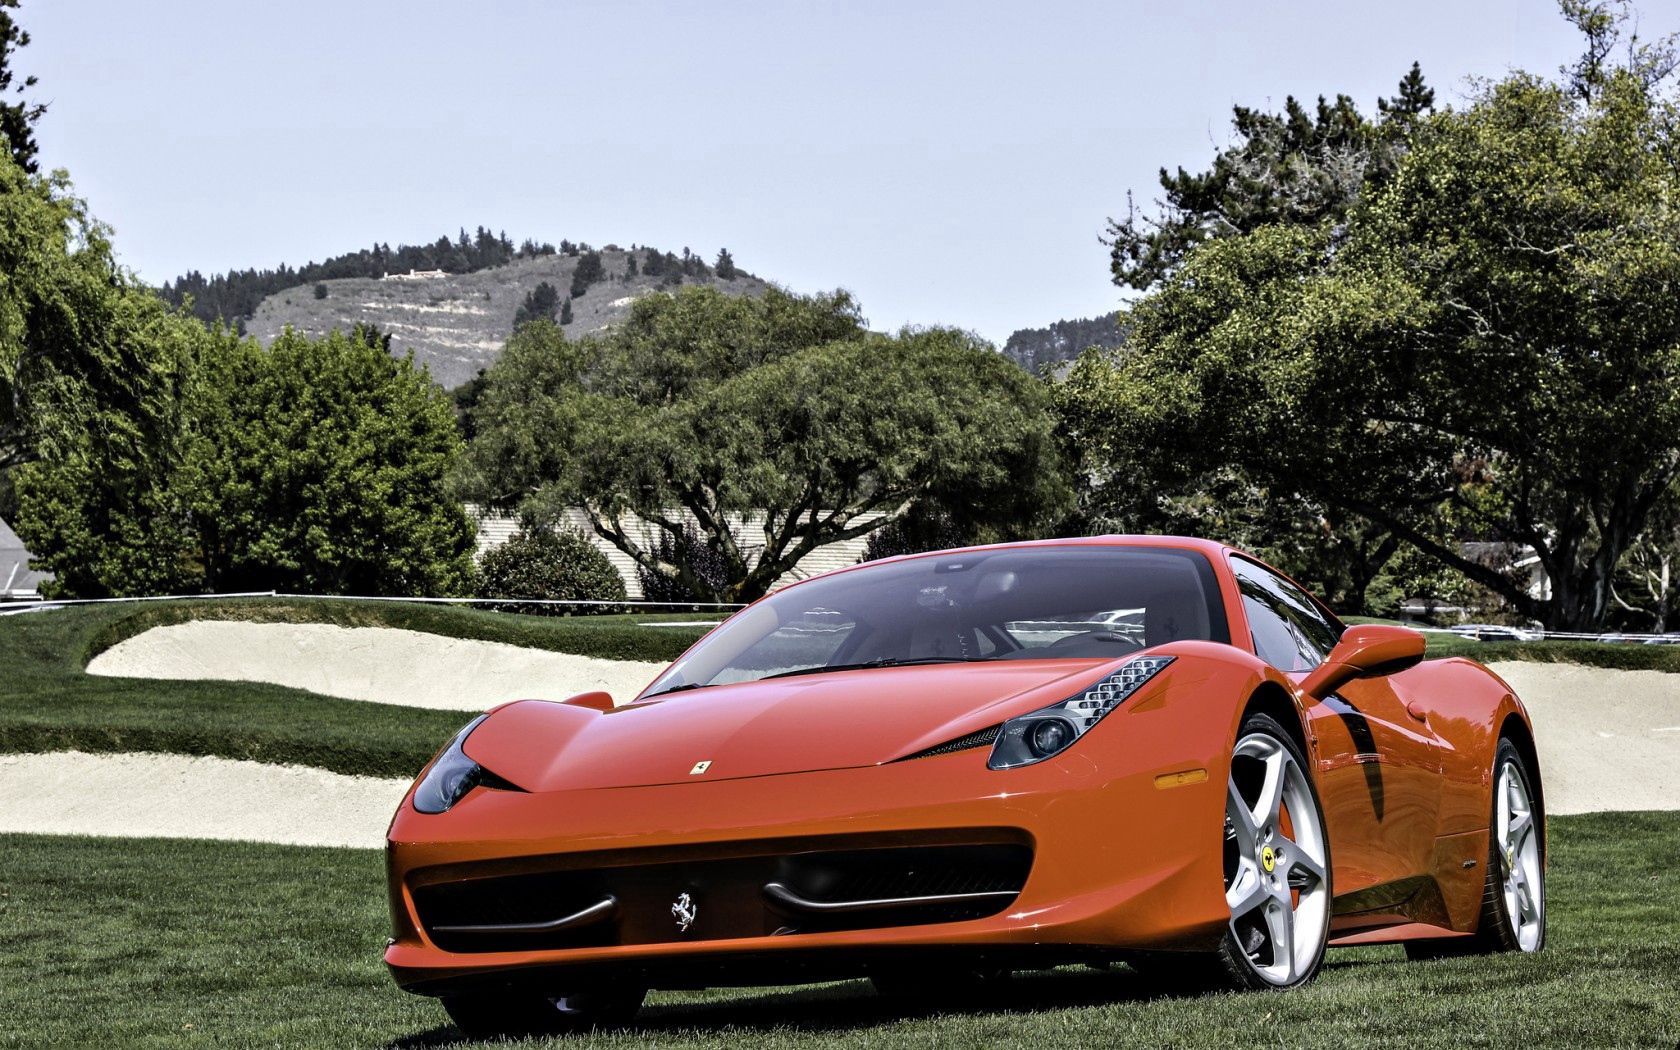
(510, 1014)
(1513, 916)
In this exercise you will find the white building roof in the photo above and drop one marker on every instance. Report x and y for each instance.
(17, 579)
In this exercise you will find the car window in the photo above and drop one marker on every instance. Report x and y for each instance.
(1290, 632)
(1086, 602)
(811, 637)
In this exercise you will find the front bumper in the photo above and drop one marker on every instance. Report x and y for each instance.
(1118, 862)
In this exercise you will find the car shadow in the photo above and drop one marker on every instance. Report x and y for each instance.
(853, 1005)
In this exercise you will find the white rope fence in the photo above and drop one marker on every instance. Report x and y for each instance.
(42, 604)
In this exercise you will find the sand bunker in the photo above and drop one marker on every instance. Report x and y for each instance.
(1608, 740)
(173, 796)
(380, 664)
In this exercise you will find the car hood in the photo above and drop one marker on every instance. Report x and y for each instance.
(833, 720)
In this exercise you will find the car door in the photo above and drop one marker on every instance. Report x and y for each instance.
(1378, 768)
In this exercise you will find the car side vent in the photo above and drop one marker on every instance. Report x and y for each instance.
(979, 738)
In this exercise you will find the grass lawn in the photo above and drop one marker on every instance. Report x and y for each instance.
(49, 703)
(141, 943)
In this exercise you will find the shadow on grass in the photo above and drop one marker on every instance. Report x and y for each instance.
(853, 1006)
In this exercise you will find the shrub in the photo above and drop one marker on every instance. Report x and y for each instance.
(690, 550)
(550, 565)
(320, 291)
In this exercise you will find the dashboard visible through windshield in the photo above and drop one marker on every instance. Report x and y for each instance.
(1023, 603)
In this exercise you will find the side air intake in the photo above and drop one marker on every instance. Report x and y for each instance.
(979, 738)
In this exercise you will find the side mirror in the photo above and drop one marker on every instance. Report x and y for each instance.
(1365, 651)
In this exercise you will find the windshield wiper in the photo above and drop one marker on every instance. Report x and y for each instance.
(885, 661)
(678, 689)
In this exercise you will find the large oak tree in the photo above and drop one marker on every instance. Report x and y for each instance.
(703, 410)
(1488, 345)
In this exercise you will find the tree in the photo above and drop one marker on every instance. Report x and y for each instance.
(705, 571)
(551, 565)
(17, 119)
(320, 291)
(1604, 25)
(1647, 586)
(589, 271)
(93, 375)
(923, 527)
(630, 264)
(699, 412)
(319, 466)
(566, 311)
(1041, 350)
(1295, 167)
(466, 398)
(725, 268)
(539, 305)
(1489, 347)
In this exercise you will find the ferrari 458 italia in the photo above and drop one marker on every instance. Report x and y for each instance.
(933, 770)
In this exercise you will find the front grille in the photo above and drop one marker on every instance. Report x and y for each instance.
(811, 891)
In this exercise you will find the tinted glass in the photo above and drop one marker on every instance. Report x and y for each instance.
(1034, 603)
(1290, 631)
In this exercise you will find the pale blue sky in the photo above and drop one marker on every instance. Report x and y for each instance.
(948, 162)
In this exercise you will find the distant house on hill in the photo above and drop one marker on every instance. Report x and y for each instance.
(415, 275)
(495, 530)
(18, 582)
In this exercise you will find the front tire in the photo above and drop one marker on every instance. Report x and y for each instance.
(1277, 873)
(1277, 863)
(513, 1015)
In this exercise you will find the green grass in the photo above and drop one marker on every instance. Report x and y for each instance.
(164, 943)
(1621, 656)
(49, 703)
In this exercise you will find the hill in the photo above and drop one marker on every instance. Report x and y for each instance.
(1039, 349)
(453, 302)
(456, 323)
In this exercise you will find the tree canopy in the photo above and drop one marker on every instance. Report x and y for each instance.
(1300, 166)
(1487, 344)
(93, 377)
(703, 409)
(589, 271)
(540, 304)
(17, 118)
(320, 466)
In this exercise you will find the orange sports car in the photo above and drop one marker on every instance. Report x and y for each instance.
(935, 769)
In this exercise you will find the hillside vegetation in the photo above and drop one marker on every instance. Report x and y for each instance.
(1041, 349)
(457, 323)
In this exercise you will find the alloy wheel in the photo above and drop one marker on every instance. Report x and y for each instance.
(1522, 876)
(1275, 880)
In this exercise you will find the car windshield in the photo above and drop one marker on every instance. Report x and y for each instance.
(1023, 603)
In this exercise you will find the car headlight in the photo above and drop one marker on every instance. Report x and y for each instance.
(1051, 730)
(451, 775)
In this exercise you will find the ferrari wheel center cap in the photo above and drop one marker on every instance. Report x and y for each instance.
(1268, 859)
